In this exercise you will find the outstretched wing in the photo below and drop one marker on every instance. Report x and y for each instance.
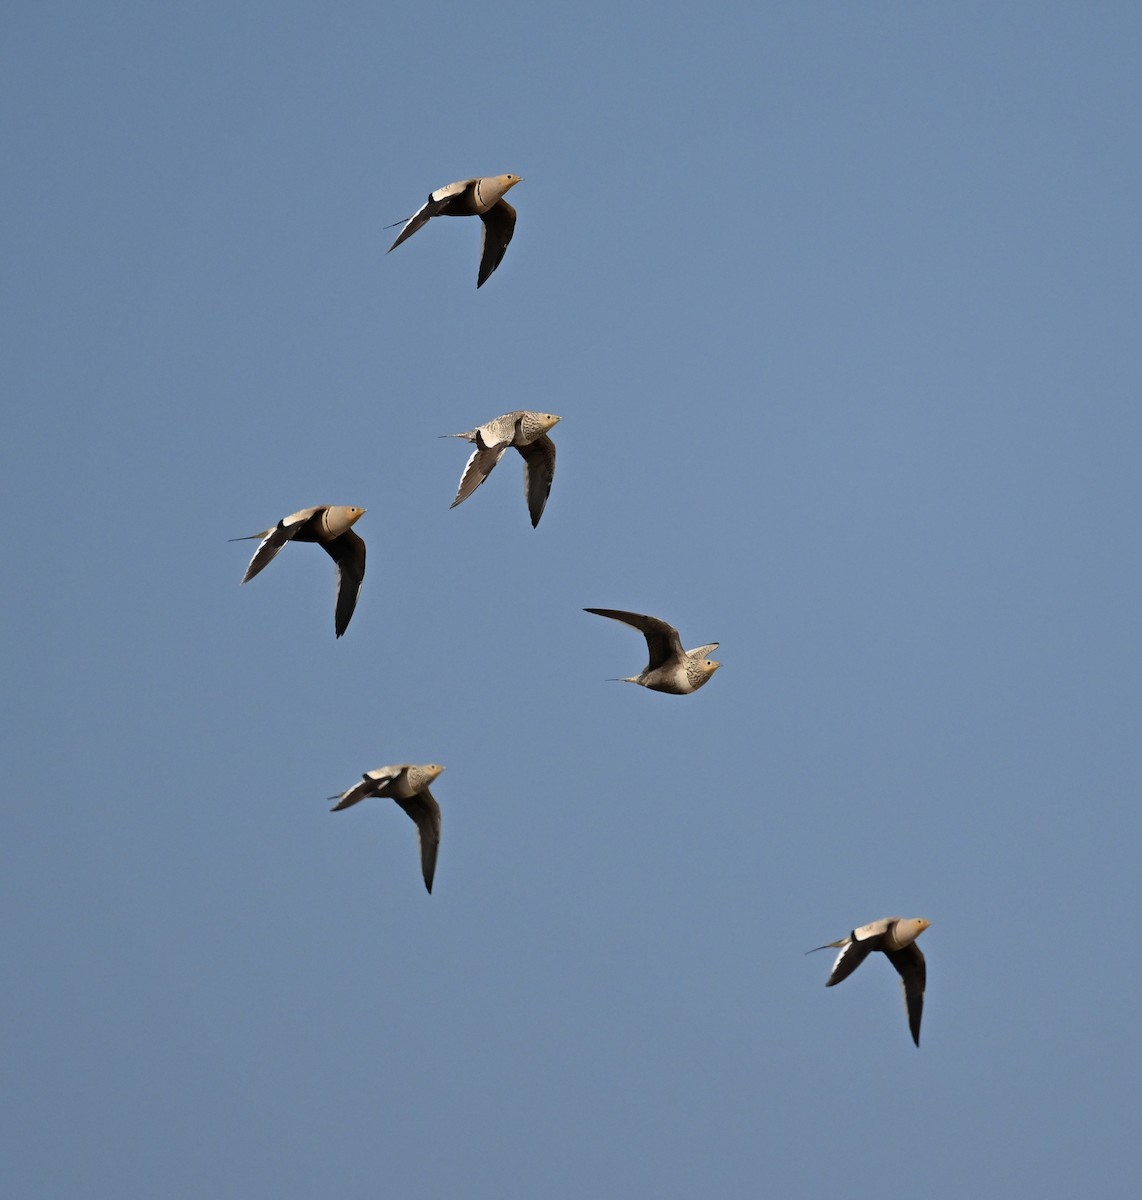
(285, 530)
(850, 957)
(661, 638)
(701, 653)
(499, 225)
(913, 971)
(436, 203)
(361, 791)
(478, 467)
(348, 552)
(373, 783)
(538, 472)
(426, 813)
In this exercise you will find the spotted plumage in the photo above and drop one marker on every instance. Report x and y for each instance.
(670, 669)
(527, 432)
(407, 784)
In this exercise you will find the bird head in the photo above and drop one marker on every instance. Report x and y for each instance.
(908, 929)
(340, 517)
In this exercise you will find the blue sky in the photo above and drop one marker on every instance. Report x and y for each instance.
(840, 307)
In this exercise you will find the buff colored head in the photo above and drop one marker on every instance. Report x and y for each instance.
(340, 517)
(908, 929)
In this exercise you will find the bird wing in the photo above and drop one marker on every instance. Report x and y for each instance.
(436, 203)
(373, 783)
(538, 472)
(661, 638)
(851, 956)
(285, 530)
(499, 225)
(348, 551)
(913, 971)
(357, 793)
(479, 466)
(701, 653)
(426, 813)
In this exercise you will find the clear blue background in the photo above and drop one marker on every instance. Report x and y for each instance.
(840, 304)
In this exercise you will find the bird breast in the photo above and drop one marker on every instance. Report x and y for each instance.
(489, 191)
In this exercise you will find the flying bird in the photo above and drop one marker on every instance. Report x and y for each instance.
(527, 432)
(330, 525)
(483, 198)
(407, 784)
(896, 938)
(671, 669)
